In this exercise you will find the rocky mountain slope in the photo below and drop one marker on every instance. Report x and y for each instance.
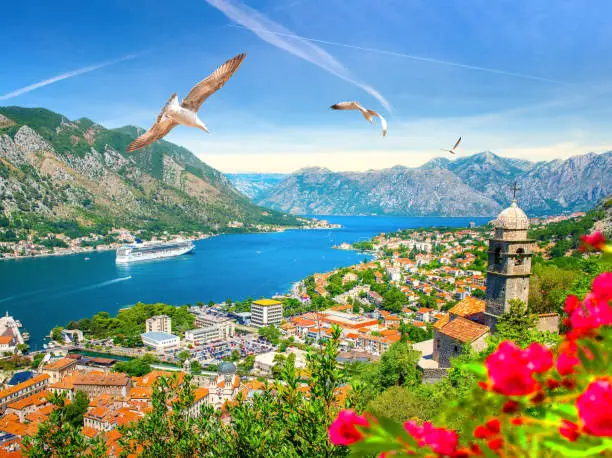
(478, 185)
(253, 185)
(53, 168)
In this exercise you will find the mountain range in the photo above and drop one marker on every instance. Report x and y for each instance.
(52, 168)
(477, 185)
(253, 185)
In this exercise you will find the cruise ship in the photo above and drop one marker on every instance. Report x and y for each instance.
(153, 250)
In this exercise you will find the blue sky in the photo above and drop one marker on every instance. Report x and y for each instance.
(526, 79)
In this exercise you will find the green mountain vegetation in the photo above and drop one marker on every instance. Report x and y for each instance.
(56, 171)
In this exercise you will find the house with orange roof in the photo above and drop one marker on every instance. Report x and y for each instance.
(95, 383)
(8, 343)
(59, 368)
(21, 390)
(28, 405)
(471, 308)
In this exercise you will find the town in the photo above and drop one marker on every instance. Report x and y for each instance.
(426, 287)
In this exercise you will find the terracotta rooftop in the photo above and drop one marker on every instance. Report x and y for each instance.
(102, 378)
(468, 306)
(6, 340)
(59, 364)
(24, 385)
(36, 399)
(441, 321)
(464, 330)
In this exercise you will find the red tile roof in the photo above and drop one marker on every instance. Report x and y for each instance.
(464, 330)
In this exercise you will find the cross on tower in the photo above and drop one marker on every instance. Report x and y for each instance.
(514, 189)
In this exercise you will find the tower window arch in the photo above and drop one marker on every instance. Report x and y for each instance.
(497, 256)
(520, 257)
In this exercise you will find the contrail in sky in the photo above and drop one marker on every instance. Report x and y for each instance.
(282, 38)
(410, 56)
(66, 75)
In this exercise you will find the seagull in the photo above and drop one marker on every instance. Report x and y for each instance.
(186, 113)
(368, 114)
(452, 150)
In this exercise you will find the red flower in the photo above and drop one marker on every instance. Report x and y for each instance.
(571, 304)
(594, 241)
(569, 430)
(510, 407)
(496, 444)
(511, 369)
(481, 432)
(493, 425)
(517, 421)
(602, 286)
(595, 408)
(343, 432)
(568, 358)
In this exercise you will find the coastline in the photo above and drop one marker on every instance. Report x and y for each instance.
(104, 248)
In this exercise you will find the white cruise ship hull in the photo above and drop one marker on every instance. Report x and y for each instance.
(136, 253)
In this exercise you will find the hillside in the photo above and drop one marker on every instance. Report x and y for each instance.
(478, 185)
(53, 169)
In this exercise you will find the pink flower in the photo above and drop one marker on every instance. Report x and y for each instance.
(602, 286)
(440, 440)
(511, 369)
(343, 432)
(594, 241)
(540, 358)
(568, 358)
(593, 313)
(569, 430)
(595, 408)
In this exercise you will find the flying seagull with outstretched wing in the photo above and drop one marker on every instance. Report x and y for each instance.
(452, 150)
(367, 114)
(186, 113)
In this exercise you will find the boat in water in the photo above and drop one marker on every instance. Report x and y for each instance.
(153, 250)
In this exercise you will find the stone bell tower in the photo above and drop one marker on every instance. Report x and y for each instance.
(509, 268)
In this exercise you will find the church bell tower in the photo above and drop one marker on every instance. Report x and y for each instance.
(510, 253)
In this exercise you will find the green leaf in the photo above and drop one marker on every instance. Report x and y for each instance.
(576, 449)
(476, 368)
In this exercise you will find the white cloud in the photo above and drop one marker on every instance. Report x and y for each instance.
(282, 38)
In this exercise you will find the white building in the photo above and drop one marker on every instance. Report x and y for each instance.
(226, 327)
(159, 323)
(160, 340)
(202, 336)
(265, 312)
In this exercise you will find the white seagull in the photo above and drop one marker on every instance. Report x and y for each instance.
(368, 114)
(186, 113)
(452, 150)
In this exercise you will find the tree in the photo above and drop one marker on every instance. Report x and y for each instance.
(23, 347)
(398, 366)
(136, 367)
(478, 293)
(195, 367)
(56, 334)
(270, 333)
(38, 357)
(75, 411)
(235, 355)
(183, 356)
(58, 437)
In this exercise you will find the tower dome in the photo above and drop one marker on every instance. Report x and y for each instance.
(513, 218)
(227, 367)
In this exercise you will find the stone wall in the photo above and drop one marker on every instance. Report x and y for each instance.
(548, 322)
(431, 375)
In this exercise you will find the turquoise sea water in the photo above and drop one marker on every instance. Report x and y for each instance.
(50, 291)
